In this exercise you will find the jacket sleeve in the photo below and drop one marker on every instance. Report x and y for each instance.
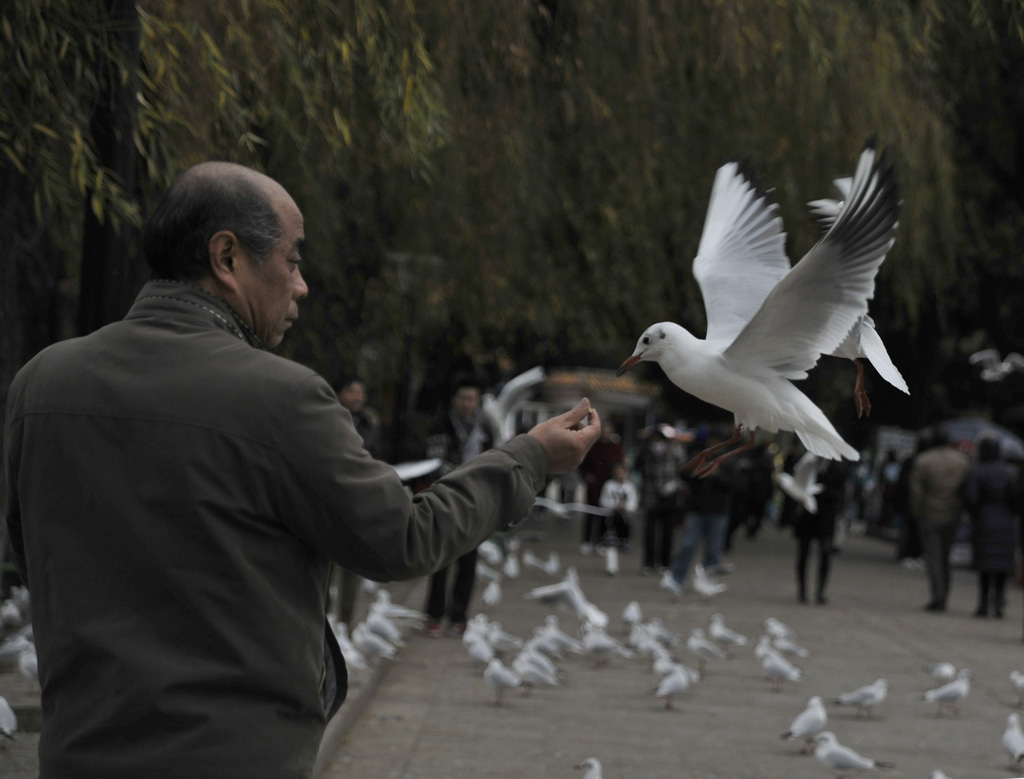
(355, 510)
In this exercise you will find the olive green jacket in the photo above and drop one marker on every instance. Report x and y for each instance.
(936, 481)
(175, 494)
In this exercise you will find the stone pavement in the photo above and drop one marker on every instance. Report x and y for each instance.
(433, 716)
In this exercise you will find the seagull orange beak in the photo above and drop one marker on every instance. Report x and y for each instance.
(629, 363)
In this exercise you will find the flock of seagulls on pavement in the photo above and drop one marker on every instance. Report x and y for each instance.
(510, 663)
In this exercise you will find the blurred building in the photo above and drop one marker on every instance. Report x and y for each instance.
(627, 401)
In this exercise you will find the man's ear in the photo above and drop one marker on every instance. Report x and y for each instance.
(224, 258)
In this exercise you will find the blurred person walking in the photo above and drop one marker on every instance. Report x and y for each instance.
(457, 436)
(819, 528)
(909, 551)
(661, 497)
(992, 497)
(596, 470)
(705, 520)
(936, 480)
(618, 494)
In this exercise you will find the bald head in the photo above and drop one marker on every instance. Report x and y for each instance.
(205, 199)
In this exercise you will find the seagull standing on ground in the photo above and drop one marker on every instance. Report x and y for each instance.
(724, 635)
(808, 724)
(592, 766)
(865, 698)
(704, 649)
(632, 614)
(675, 682)
(1017, 679)
(499, 678)
(949, 695)
(8, 720)
(1013, 740)
(834, 755)
(778, 629)
(768, 324)
(942, 672)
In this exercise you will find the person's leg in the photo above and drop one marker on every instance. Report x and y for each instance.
(668, 522)
(932, 547)
(680, 564)
(947, 536)
(588, 524)
(803, 551)
(824, 563)
(651, 519)
(462, 589)
(714, 539)
(999, 598)
(436, 596)
(983, 589)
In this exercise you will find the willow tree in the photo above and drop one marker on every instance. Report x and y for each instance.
(585, 135)
(105, 103)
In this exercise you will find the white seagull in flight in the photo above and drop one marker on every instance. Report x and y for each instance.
(862, 340)
(768, 323)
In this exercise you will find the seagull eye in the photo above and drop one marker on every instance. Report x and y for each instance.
(646, 340)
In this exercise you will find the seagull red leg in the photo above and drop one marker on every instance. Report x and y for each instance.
(712, 466)
(860, 395)
(699, 460)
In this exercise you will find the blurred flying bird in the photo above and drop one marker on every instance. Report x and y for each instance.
(801, 485)
(500, 412)
(995, 369)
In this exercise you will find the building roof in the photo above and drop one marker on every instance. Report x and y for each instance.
(598, 383)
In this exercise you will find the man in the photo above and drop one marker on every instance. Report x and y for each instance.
(659, 463)
(351, 393)
(935, 481)
(175, 494)
(457, 436)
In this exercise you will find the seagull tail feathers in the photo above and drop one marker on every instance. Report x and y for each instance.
(826, 442)
(874, 350)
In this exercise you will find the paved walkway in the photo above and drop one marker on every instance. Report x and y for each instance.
(433, 716)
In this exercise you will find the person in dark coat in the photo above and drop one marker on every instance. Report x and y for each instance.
(820, 528)
(596, 469)
(661, 497)
(458, 435)
(993, 501)
(175, 493)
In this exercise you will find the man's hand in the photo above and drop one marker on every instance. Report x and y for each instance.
(567, 438)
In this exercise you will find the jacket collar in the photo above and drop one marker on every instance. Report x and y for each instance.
(198, 302)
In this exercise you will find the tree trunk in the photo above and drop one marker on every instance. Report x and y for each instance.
(111, 271)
